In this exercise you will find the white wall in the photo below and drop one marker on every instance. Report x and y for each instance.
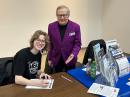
(116, 22)
(20, 18)
(94, 20)
(106, 19)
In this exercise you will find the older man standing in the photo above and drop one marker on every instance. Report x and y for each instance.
(65, 41)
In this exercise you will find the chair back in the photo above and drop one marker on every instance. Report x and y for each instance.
(6, 71)
(89, 53)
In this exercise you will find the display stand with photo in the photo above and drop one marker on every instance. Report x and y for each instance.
(119, 58)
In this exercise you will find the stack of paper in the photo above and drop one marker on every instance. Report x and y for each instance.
(103, 90)
(49, 86)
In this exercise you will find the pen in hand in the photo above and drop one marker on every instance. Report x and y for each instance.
(66, 79)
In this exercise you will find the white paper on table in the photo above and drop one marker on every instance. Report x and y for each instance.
(97, 72)
(49, 86)
(103, 90)
(128, 83)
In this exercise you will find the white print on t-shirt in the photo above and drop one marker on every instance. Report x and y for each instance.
(33, 67)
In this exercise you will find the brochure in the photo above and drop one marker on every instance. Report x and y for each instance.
(119, 58)
(103, 90)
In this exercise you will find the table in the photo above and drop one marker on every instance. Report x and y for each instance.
(81, 76)
(61, 88)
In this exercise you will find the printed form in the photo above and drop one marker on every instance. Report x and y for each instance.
(103, 90)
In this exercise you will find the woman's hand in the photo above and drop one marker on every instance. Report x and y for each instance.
(24, 81)
(44, 76)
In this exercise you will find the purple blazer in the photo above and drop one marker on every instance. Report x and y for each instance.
(71, 42)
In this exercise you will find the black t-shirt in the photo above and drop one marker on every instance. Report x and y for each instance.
(26, 63)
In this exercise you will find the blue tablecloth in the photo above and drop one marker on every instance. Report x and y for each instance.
(81, 76)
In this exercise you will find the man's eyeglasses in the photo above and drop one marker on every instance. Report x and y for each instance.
(62, 15)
